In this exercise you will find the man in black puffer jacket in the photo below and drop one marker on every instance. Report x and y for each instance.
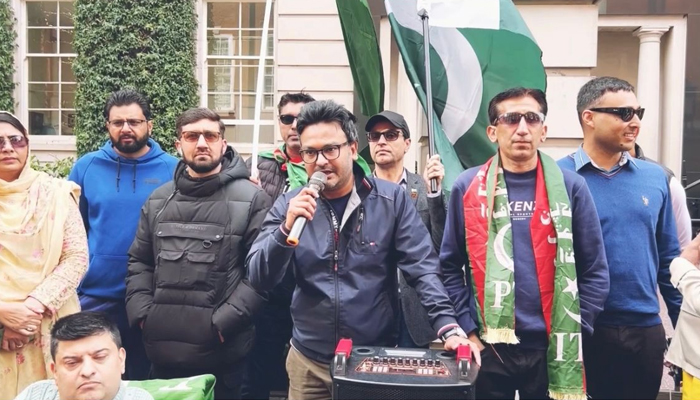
(185, 285)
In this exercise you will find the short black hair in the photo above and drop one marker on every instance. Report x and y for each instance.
(81, 325)
(127, 97)
(516, 93)
(327, 111)
(197, 114)
(8, 117)
(300, 97)
(590, 94)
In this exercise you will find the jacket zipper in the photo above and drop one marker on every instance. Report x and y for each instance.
(359, 224)
(336, 240)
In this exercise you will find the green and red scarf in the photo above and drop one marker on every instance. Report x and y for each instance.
(296, 171)
(490, 247)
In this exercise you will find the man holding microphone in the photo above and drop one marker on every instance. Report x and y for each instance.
(359, 230)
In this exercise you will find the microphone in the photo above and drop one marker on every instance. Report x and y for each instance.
(317, 183)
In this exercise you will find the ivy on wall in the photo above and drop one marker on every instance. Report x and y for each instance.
(7, 56)
(147, 45)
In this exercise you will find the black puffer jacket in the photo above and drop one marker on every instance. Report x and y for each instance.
(272, 179)
(186, 268)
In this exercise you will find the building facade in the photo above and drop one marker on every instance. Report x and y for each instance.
(643, 41)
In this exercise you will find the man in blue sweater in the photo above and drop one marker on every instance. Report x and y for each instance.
(624, 358)
(536, 273)
(115, 181)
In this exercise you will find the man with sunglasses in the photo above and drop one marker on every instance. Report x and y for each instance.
(528, 234)
(624, 357)
(279, 171)
(115, 182)
(360, 232)
(186, 284)
(389, 140)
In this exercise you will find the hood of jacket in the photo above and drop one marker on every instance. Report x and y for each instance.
(107, 152)
(232, 167)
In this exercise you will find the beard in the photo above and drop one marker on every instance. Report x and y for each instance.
(130, 148)
(203, 166)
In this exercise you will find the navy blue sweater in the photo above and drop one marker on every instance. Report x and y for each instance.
(640, 238)
(591, 265)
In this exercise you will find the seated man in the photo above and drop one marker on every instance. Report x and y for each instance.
(88, 362)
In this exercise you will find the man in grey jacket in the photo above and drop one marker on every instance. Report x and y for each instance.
(389, 140)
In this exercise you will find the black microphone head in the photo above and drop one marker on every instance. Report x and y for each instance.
(318, 181)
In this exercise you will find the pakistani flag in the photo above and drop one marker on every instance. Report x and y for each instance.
(479, 48)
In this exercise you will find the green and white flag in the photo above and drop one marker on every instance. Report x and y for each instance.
(479, 48)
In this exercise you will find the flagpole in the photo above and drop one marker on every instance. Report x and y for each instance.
(259, 90)
(423, 13)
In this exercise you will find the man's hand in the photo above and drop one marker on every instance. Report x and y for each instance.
(20, 318)
(692, 251)
(255, 180)
(434, 169)
(13, 340)
(302, 205)
(455, 341)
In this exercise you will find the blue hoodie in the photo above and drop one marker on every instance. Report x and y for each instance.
(113, 191)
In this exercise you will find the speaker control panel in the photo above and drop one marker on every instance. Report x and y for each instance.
(403, 366)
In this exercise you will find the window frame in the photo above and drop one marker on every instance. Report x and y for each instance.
(21, 93)
(203, 71)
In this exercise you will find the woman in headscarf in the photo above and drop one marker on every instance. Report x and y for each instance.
(43, 256)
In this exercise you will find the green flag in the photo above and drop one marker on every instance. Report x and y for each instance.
(363, 53)
(479, 48)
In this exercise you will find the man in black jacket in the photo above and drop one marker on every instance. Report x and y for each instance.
(389, 140)
(360, 230)
(185, 284)
(279, 171)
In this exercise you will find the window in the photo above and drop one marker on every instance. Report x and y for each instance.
(50, 80)
(234, 34)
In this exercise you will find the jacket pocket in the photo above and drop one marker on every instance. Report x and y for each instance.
(236, 313)
(188, 255)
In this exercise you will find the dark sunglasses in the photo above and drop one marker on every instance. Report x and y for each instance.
(625, 113)
(389, 135)
(16, 141)
(287, 119)
(193, 136)
(514, 118)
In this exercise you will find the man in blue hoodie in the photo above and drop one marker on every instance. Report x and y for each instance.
(116, 181)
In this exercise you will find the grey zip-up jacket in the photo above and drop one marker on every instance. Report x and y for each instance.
(346, 283)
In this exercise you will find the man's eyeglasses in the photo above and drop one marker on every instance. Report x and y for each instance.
(625, 113)
(193, 136)
(330, 152)
(287, 119)
(119, 123)
(514, 118)
(389, 135)
(16, 141)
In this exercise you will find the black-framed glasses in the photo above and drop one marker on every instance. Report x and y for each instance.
(193, 136)
(514, 118)
(16, 141)
(330, 152)
(625, 113)
(389, 135)
(119, 123)
(287, 119)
